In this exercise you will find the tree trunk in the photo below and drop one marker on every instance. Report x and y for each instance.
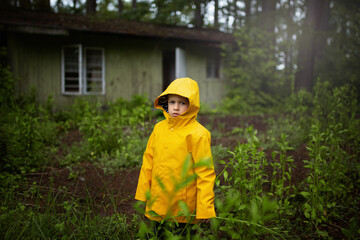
(235, 14)
(257, 4)
(120, 7)
(198, 17)
(216, 14)
(289, 33)
(42, 5)
(323, 31)
(26, 4)
(267, 24)
(268, 15)
(247, 12)
(133, 4)
(74, 5)
(304, 77)
(58, 4)
(90, 7)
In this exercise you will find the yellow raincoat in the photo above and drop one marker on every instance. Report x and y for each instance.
(173, 142)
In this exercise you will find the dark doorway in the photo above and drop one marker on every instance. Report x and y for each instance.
(168, 63)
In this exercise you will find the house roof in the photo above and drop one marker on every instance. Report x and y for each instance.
(61, 24)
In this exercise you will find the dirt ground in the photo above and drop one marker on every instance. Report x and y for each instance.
(107, 194)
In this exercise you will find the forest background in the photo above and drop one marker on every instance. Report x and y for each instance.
(294, 68)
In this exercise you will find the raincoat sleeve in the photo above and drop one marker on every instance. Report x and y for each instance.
(144, 182)
(206, 177)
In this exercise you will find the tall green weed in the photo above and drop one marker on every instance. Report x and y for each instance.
(245, 210)
(28, 137)
(333, 178)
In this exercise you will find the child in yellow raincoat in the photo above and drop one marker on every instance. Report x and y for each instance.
(173, 142)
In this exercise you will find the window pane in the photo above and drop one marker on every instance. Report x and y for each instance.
(212, 67)
(94, 70)
(71, 68)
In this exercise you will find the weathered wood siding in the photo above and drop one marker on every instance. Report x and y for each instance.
(132, 66)
(211, 90)
(36, 63)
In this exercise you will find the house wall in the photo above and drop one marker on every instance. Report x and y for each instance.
(212, 90)
(132, 66)
(36, 64)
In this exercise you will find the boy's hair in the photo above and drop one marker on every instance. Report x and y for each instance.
(163, 102)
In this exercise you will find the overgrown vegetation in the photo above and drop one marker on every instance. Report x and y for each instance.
(112, 135)
(256, 196)
(255, 84)
(32, 139)
(327, 201)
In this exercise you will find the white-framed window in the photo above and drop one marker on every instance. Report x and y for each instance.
(82, 70)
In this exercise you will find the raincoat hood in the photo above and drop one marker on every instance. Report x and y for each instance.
(185, 87)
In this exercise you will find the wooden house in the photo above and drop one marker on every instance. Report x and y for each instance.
(68, 56)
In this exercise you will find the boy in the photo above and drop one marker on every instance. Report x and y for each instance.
(172, 141)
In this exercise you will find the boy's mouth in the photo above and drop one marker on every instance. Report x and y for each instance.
(175, 114)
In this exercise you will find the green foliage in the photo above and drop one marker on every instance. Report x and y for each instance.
(141, 13)
(333, 156)
(353, 232)
(112, 138)
(255, 192)
(255, 84)
(7, 82)
(78, 7)
(219, 152)
(29, 136)
(23, 222)
(9, 185)
(282, 165)
(172, 12)
(326, 106)
(28, 132)
(329, 121)
(293, 120)
(338, 62)
(244, 211)
(57, 214)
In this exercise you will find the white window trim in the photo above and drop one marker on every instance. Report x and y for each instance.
(82, 71)
(63, 70)
(85, 92)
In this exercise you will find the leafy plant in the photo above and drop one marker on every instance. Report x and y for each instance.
(282, 165)
(330, 187)
(29, 137)
(243, 209)
(112, 138)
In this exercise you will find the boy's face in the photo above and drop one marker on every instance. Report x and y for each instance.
(177, 105)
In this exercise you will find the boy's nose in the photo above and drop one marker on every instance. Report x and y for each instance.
(176, 106)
